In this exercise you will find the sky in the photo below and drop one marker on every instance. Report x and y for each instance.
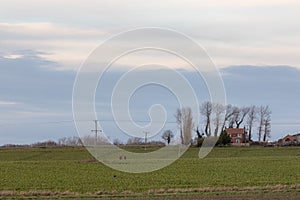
(255, 45)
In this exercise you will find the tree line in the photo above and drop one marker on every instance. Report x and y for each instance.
(216, 117)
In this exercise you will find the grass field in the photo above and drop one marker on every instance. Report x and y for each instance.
(69, 172)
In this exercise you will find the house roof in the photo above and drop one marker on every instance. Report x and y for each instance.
(235, 130)
(291, 136)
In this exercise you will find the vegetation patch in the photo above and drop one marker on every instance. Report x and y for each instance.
(64, 171)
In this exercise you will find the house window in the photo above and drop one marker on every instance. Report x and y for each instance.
(239, 135)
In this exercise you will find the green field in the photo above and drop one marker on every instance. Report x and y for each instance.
(69, 172)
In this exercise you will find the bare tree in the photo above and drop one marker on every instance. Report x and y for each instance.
(229, 112)
(70, 141)
(179, 122)
(267, 125)
(234, 115)
(167, 136)
(218, 109)
(184, 120)
(117, 142)
(264, 114)
(135, 141)
(90, 140)
(251, 117)
(199, 134)
(206, 111)
(62, 141)
(240, 116)
(45, 144)
(261, 121)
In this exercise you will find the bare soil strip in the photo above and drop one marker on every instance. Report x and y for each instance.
(260, 192)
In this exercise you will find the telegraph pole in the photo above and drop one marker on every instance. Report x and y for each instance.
(96, 130)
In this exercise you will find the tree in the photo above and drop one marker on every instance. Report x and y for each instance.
(62, 141)
(117, 142)
(206, 110)
(218, 109)
(200, 141)
(70, 141)
(45, 144)
(251, 117)
(240, 116)
(229, 112)
(224, 139)
(267, 126)
(264, 115)
(135, 141)
(90, 140)
(199, 138)
(233, 116)
(167, 136)
(184, 120)
(261, 121)
(199, 134)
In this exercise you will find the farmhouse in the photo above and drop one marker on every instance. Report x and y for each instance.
(238, 135)
(290, 140)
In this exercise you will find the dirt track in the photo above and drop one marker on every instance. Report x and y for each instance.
(277, 192)
(266, 196)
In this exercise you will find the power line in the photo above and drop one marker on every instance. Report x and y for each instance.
(72, 121)
(126, 121)
(35, 123)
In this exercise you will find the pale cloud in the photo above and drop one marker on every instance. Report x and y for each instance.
(13, 56)
(46, 30)
(8, 103)
(233, 32)
(68, 46)
(226, 54)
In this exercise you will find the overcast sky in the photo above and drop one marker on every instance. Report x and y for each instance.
(255, 44)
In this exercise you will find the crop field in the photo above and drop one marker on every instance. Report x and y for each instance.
(71, 172)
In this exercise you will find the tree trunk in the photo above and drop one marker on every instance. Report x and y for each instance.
(250, 135)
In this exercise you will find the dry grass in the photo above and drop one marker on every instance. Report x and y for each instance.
(44, 193)
(225, 189)
(153, 192)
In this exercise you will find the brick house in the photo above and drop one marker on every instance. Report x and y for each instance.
(290, 140)
(238, 135)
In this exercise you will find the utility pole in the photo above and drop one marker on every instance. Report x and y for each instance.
(96, 130)
(146, 133)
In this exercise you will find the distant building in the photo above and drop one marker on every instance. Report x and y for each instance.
(290, 140)
(238, 135)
